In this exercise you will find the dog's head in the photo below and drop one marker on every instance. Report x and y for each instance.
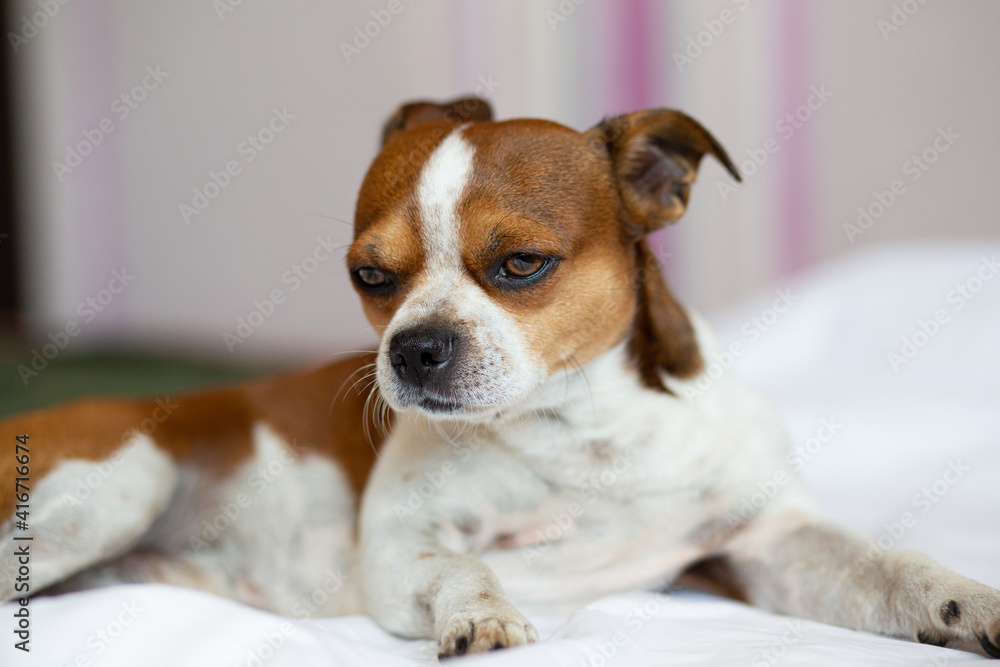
(491, 255)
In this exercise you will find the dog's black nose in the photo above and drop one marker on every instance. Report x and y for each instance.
(421, 354)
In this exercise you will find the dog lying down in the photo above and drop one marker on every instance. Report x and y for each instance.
(544, 442)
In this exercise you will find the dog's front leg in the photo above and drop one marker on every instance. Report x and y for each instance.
(801, 566)
(417, 588)
(418, 578)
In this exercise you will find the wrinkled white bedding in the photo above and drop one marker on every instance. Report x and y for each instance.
(875, 443)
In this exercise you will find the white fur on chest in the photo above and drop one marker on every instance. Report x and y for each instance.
(599, 485)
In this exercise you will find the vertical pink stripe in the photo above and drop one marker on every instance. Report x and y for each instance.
(795, 209)
(640, 83)
(95, 186)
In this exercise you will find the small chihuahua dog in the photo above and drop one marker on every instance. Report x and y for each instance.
(544, 443)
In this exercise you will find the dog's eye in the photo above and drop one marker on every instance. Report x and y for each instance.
(373, 281)
(523, 265)
(371, 277)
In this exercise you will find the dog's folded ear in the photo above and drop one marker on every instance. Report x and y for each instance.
(654, 160)
(654, 157)
(414, 114)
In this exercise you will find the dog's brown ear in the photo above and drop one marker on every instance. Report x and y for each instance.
(414, 114)
(663, 339)
(654, 157)
(654, 160)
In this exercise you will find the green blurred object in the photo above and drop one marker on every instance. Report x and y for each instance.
(74, 377)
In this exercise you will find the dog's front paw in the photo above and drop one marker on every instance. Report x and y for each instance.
(969, 619)
(485, 628)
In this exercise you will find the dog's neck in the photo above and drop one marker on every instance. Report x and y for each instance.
(582, 415)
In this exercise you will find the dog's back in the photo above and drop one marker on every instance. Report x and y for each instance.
(249, 491)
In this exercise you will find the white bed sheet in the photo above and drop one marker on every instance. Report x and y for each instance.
(826, 358)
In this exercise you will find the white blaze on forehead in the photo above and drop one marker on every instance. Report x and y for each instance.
(496, 365)
(439, 191)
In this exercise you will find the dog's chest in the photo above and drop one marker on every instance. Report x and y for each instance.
(598, 486)
(622, 499)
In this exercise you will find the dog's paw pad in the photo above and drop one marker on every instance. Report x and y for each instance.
(477, 633)
(950, 613)
(969, 620)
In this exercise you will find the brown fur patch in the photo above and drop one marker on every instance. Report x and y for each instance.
(714, 575)
(663, 339)
(655, 156)
(543, 188)
(210, 427)
(415, 114)
(90, 429)
(323, 411)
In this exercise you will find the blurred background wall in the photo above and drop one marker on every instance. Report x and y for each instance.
(182, 164)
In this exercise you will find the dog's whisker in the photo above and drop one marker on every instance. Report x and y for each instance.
(367, 376)
(348, 379)
(330, 217)
(586, 382)
(370, 327)
(373, 391)
(379, 411)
